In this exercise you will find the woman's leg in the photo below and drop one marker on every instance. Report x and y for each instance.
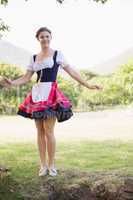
(41, 140)
(51, 143)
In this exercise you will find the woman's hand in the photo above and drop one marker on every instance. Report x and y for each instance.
(93, 87)
(74, 74)
(5, 82)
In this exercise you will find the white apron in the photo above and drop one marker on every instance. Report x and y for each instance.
(41, 90)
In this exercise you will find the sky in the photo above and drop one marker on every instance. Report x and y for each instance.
(86, 32)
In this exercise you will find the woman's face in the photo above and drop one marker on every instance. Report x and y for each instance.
(44, 38)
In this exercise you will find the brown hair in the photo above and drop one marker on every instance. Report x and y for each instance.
(42, 29)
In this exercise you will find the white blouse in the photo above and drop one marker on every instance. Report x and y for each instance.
(47, 62)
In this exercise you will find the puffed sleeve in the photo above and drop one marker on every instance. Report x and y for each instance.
(30, 65)
(61, 59)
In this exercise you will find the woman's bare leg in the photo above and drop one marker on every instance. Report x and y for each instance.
(51, 142)
(41, 140)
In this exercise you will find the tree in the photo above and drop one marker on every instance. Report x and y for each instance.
(4, 27)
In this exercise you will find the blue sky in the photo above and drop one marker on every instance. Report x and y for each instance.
(86, 32)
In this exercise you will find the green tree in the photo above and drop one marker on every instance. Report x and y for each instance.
(11, 98)
(117, 90)
(69, 88)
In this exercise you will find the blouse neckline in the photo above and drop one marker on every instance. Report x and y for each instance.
(45, 59)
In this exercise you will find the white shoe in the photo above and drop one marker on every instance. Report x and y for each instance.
(43, 171)
(52, 171)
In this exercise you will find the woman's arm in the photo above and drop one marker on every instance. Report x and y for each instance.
(74, 74)
(22, 80)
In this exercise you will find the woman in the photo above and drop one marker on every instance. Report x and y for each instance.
(46, 103)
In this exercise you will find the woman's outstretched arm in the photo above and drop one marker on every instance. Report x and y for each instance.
(22, 80)
(75, 75)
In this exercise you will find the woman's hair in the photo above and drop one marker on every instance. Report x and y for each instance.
(42, 29)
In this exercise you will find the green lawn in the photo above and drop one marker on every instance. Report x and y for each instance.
(84, 156)
(92, 157)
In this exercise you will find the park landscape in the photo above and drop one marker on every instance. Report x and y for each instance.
(94, 149)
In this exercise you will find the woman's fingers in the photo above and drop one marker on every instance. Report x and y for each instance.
(8, 80)
(5, 82)
(99, 87)
(96, 87)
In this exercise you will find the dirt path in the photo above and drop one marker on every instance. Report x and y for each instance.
(101, 125)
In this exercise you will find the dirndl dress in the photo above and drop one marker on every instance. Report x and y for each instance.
(55, 104)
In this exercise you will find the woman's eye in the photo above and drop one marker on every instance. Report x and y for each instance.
(42, 37)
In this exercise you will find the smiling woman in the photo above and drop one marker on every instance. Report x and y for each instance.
(46, 102)
(50, 101)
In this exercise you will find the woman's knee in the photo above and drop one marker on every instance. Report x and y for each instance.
(49, 131)
(40, 127)
(49, 127)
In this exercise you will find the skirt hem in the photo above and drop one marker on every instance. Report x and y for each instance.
(61, 113)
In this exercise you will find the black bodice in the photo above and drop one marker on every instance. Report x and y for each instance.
(48, 74)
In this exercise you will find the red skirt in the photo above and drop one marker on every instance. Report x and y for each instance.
(57, 105)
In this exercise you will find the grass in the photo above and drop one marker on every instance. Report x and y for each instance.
(72, 159)
(84, 156)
